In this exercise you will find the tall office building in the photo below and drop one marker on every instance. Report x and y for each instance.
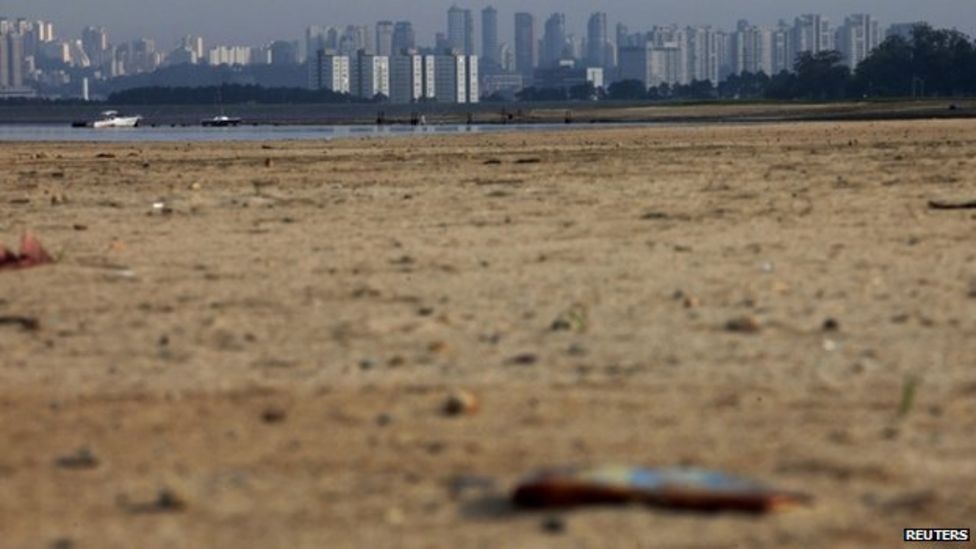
(329, 72)
(355, 38)
(857, 38)
(554, 40)
(403, 37)
(525, 44)
(384, 38)
(489, 37)
(460, 30)
(598, 48)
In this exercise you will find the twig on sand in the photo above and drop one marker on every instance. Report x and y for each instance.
(947, 205)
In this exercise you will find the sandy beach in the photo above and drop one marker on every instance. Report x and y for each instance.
(251, 344)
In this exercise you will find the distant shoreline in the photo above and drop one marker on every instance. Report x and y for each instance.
(507, 113)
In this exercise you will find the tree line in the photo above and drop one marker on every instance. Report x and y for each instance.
(931, 63)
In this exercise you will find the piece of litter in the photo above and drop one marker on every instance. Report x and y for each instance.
(947, 205)
(31, 254)
(685, 489)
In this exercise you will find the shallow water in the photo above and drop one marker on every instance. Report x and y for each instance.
(38, 132)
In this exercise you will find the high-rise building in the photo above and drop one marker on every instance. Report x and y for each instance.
(355, 38)
(525, 44)
(651, 64)
(15, 65)
(598, 49)
(194, 44)
(370, 75)
(811, 33)
(460, 30)
(95, 42)
(903, 30)
(329, 72)
(412, 78)
(4, 61)
(554, 41)
(857, 38)
(282, 52)
(702, 45)
(752, 49)
(403, 37)
(456, 79)
(384, 38)
(489, 37)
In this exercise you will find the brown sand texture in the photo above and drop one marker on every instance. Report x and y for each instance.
(250, 345)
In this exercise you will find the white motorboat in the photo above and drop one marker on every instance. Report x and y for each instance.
(111, 119)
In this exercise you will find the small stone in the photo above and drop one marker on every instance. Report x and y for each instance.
(554, 525)
(831, 325)
(268, 162)
(383, 420)
(461, 403)
(79, 227)
(273, 415)
(744, 325)
(81, 459)
(524, 359)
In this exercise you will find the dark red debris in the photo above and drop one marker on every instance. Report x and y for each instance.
(31, 254)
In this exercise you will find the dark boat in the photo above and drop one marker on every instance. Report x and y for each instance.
(221, 122)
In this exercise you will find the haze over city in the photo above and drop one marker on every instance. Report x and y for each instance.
(255, 22)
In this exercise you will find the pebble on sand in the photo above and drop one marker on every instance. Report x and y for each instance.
(461, 403)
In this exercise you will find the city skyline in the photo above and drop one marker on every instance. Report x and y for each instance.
(248, 23)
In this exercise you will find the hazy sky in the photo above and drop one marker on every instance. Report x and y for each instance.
(258, 21)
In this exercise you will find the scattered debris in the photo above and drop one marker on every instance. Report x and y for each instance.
(492, 162)
(528, 161)
(684, 489)
(909, 390)
(166, 502)
(104, 155)
(744, 325)
(554, 525)
(273, 415)
(949, 205)
(26, 323)
(573, 319)
(79, 227)
(81, 459)
(461, 403)
(524, 359)
(31, 254)
(161, 208)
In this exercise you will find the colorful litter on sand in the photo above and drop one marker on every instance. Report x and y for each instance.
(680, 489)
(31, 254)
